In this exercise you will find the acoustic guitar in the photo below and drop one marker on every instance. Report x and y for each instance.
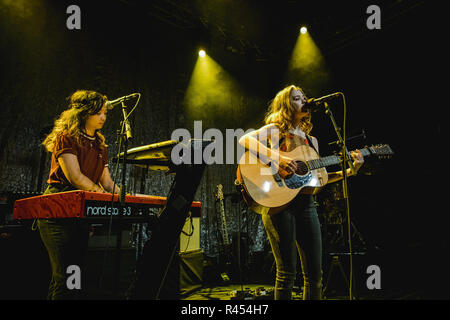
(268, 189)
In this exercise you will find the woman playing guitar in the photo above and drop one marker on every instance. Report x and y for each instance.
(296, 226)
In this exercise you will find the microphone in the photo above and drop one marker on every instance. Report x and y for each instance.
(111, 104)
(316, 101)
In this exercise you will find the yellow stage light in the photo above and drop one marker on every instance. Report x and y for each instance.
(307, 67)
(210, 93)
(201, 53)
(303, 30)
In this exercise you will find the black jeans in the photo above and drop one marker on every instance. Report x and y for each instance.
(66, 241)
(297, 228)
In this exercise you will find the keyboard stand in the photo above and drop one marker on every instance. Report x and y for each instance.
(159, 251)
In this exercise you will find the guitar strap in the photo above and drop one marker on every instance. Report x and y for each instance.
(308, 137)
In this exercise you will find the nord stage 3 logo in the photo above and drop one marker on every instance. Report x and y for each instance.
(104, 209)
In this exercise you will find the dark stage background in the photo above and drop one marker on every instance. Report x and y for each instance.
(388, 77)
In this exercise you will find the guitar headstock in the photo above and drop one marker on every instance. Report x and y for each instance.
(382, 151)
(219, 192)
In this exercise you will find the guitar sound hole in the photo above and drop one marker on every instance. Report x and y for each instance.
(302, 168)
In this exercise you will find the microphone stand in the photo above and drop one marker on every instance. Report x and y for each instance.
(124, 137)
(345, 155)
(361, 135)
(341, 142)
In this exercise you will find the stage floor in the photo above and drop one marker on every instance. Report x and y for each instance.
(265, 292)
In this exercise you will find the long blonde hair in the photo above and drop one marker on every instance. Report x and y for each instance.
(82, 104)
(282, 112)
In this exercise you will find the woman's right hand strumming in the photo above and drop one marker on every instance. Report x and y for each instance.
(251, 142)
(288, 164)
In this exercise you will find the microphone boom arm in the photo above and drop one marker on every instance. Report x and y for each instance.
(345, 153)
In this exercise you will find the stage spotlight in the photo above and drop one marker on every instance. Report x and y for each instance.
(201, 53)
(307, 65)
(303, 30)
(210, 93)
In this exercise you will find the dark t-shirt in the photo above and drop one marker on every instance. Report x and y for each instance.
(92, 158)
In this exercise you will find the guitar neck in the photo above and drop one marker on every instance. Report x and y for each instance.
(331, 160)
(224, 225)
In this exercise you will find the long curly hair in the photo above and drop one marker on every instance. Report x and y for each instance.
(82, 104)
(282, 112)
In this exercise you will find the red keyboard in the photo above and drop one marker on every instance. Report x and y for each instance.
(91, 205)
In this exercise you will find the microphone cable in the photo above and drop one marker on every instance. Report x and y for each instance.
(345, 187)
